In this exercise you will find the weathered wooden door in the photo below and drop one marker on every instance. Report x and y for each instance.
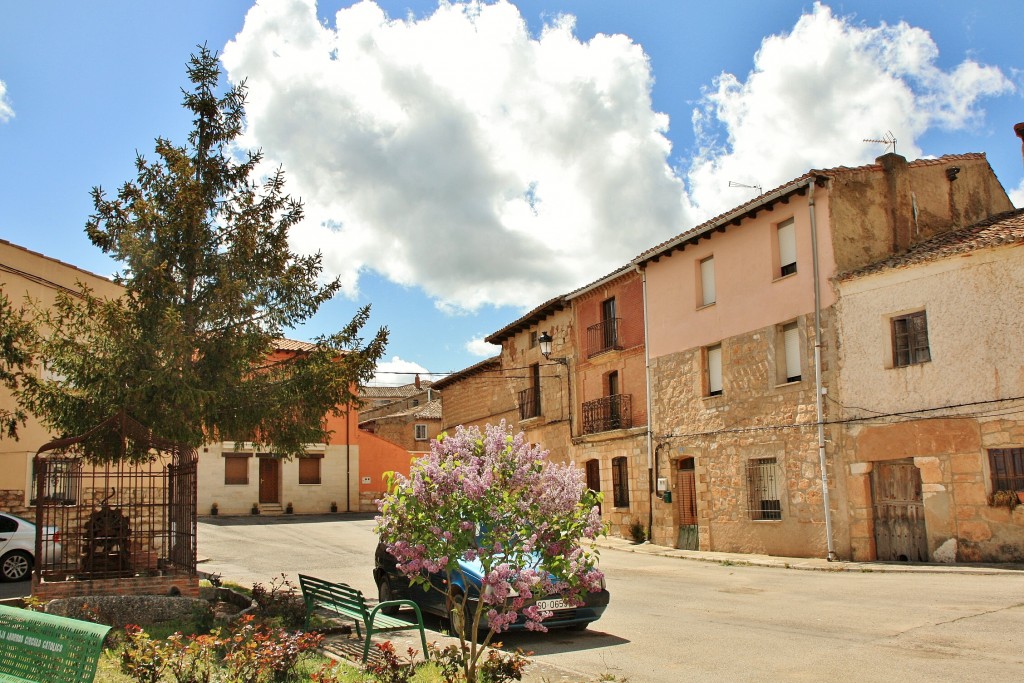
(270, 470)
(899, 512)
(686, 505)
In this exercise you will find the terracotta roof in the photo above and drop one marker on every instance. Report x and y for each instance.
(781, 193)
(545, 310)
(1001, 229)
(399, 392)
(292, 345)
(482, 366)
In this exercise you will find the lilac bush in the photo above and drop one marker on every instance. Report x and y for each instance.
(495, 498)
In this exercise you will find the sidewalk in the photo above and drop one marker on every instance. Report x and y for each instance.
(802, 563)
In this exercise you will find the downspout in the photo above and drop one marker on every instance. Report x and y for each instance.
(348, 461)
(819, 390)
(647, 372)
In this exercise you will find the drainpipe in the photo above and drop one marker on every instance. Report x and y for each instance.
(348, 461)
(819, 390)
(650, 421)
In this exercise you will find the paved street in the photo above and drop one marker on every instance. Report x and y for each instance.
(680, 620)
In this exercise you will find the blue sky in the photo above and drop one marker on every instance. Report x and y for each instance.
(461, 165)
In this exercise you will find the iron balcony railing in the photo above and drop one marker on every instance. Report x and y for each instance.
(605, 414)
(604, 336)
(529, 403)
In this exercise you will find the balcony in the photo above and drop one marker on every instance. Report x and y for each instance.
(605, 414)
(529, 403)
(603, 336)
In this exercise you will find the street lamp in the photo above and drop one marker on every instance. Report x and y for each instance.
(545, 348)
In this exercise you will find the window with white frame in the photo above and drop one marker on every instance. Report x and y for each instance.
(713, 369)
(707, 281)
(791, 353)
(763, 489)
(421, 432)
(910, 339)
(786, 233)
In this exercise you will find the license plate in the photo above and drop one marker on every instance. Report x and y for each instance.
(552, 604)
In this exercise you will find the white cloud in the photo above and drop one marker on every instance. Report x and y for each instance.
(478, 347)
(6, 112)
(396, 372)
(814, 95)
(457, 152)
(1017, 195)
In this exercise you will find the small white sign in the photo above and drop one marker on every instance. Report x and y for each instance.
(367, 480)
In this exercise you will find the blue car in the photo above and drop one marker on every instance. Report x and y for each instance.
(393, 585)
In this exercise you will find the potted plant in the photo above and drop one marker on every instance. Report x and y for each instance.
(255, 509)
(288, 509)
(1004, 498)
(334, 506)
(214, 509)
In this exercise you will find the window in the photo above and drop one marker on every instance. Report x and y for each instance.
(236, 469)
(620, 483)
(421, 432)
(1006, 466)
(608, 323)
(63, 476)
(791, 348)
(786, 234)
(529, 398)
(762, 488)
(533, 339)
(714, 370)
(309, 469)
(910, 340)
(707, 281)
(594, 475)
(415, 402)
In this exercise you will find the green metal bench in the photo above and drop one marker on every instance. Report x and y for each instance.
(349, 602)
(37, 647)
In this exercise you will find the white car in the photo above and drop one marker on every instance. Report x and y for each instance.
(18, 547)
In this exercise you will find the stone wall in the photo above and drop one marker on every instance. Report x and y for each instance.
(631, 444)
(755, 417)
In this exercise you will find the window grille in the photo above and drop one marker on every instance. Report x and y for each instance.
(763, 489)
(1006, 466)
(620, 482)
(910, 339)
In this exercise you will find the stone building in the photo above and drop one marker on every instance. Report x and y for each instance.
(932, 394)
(742, 343)
(475, 396)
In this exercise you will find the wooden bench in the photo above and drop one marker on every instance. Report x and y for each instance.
(349, 602)
(44, 647)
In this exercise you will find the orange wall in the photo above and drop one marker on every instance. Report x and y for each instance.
(377, 456)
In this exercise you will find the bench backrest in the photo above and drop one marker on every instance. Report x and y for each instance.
(45, 647)
(339, 594)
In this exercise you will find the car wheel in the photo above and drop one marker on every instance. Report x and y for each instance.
(384, 594)
(15, 566)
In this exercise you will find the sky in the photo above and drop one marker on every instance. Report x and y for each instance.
(462, 162)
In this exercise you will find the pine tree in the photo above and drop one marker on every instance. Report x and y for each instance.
(210, 284)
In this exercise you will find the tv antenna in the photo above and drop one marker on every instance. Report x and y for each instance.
(887, 139)
(760, 191)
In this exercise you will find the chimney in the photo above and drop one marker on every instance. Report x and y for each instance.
(1019, 130)
(416, 381)
(900, 200)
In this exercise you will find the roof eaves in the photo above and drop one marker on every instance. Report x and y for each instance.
(545, 310)
(482, 366)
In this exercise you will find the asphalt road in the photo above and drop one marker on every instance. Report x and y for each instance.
(676, 620)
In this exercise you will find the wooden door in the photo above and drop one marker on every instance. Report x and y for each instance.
(270, 479)
(686, 505)
(594, 476)
(900, 533)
